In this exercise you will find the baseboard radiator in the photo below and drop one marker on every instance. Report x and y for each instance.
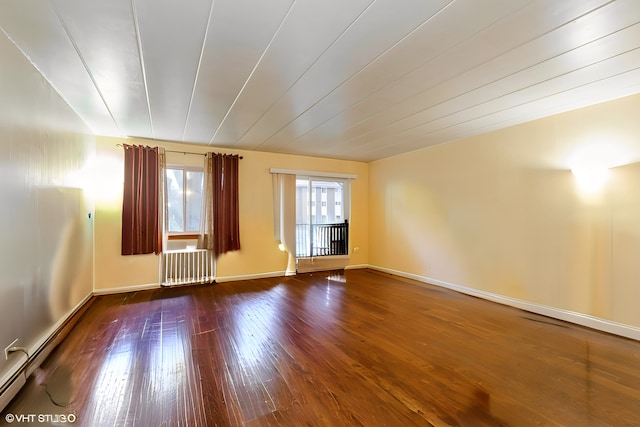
(187, 267)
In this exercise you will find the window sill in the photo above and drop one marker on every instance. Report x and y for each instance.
(183, 236)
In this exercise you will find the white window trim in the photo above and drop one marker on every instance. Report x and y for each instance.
(314, 174)
(183, 168)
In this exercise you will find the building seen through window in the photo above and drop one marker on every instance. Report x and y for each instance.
(184, 199)
(320, 202)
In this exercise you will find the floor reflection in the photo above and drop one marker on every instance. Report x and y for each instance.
(147, 372)
(112, 386)
(316, 350)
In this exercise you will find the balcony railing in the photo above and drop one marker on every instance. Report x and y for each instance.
(322, 239)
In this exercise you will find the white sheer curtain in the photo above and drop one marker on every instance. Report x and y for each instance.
(284, 215)
(162, 210)
(162, 197)
(206, 217)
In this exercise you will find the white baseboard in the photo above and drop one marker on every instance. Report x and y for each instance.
(148, 286)
(12, 382)
(322, 263)
(45, 345)
(12, 390)
(589, 321)
(221, 279)
(251, 276)
(122, 289)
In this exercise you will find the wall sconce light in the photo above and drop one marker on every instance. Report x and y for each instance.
(590, 177)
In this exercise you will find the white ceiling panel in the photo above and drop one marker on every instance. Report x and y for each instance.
(465, 67)
(613, 87)
(172, 34)
(363, 79)
(414, 51)
(234, 46)
(309, 30)
(559, 80)
(356, 48)
(542, 91)
(36, 30)
(105, 36)
(595, 61)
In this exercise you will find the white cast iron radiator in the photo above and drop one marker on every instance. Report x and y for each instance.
(187, 266)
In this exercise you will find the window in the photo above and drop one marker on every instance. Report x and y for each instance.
(184, 199)
(321, 228)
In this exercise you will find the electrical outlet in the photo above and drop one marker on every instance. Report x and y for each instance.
(6, 350)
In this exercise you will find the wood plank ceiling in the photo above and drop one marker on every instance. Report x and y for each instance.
(357, 79)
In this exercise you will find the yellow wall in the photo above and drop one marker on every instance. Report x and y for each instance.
(502, 212)
(259, 254)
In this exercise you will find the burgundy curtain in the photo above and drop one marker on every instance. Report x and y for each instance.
(225, 234)
(141, 231)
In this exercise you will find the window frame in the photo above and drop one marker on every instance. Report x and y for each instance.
(345, 206)
(181, 235)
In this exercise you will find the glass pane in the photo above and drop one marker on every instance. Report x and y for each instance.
(329, 197)
(328, 233)
(303, 229)
(194, 200)
(320, 215)
(175, 201)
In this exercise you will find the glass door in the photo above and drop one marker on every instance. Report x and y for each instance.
(321, 216)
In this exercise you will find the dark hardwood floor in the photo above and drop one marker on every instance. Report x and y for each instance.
(331, 349)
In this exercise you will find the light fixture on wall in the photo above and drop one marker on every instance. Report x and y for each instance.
(590, 178)
(591, 162)
(104, 179)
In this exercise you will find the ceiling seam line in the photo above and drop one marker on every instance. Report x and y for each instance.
(356, 19)
(456, 76)
(357, 72)
(34, 65)
(255, 67)
(519, 89)
(580, 86)
(501, 123)
(84, 64)
(361, 101)
(136, 27)
(409, 72)
(195, 81)
(405, 117)
(369, 117)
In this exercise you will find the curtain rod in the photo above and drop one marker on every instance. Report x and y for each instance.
(184, 152)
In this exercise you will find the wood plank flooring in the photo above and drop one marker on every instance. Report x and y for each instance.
(360, 348)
